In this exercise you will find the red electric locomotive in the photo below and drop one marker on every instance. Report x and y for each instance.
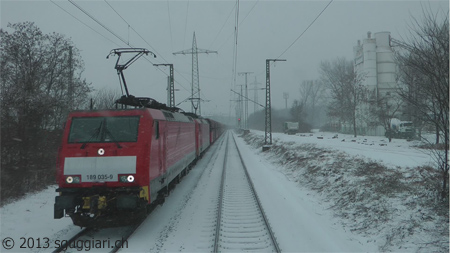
(203, 139)
(118, 162)
(114, 165)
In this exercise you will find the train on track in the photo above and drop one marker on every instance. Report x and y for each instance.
(113, 166)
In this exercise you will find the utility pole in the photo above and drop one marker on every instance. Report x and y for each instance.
(70, 77)
(268, 125)
(195, 86)
(255, 94)
(170, 86)
(246, 99)
(285, 96)
(240, 108)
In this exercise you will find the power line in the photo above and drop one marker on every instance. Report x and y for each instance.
(305, 29)
(132, 28)
(117, 36)
(300, 34)
(185, 23)
(122, 19)
(117, 13)
(235, 49)
(229, 36)
(84, 23)
(98, 22)
(229, 15)
(248, 12)
(170, 25)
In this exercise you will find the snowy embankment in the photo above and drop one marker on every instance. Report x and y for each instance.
(386, 192)
(29, 223)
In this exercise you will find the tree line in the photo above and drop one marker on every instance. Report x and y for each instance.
(421, 96)
(41, 82)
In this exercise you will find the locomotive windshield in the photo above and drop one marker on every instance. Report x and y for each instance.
(104, 129)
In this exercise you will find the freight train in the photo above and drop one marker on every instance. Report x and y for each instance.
(114, 165)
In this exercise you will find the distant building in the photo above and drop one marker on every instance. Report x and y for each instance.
(374, 60)
(374, 63)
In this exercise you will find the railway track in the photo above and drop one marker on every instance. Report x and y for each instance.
(119, 234)
(241, 224)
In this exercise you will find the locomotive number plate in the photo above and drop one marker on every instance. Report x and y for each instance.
(99, 177)
(100, 169)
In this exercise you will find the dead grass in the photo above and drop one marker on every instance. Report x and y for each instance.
(369, 197)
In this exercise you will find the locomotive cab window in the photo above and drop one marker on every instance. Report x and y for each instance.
(156, 129)
(104, 129)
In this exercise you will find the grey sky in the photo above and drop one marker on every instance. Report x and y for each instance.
(266, 32)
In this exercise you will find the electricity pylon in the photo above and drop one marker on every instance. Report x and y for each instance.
(195, 86)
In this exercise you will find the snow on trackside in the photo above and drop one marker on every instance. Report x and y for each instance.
(386, 192)
(30, 220)
(319, 195)
(299, 220)
(398, 152)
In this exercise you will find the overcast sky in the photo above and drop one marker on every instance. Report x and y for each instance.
(266, 30)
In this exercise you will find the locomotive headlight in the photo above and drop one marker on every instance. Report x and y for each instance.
(126, 178)
(73, 179)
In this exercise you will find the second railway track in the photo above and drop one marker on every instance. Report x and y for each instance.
(241, 222)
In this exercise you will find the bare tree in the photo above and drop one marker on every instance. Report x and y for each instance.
(346, 90)
(423, 60)
(298, 115)
(104, 99)
(34, 78)
(383, 109)
(311, 93)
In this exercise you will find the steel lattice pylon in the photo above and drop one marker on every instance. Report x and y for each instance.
(268, 109)
(170, 85)
(195, 86)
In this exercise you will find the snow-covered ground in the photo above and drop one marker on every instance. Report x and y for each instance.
(398, 152)
(319, 195)
(387, 192)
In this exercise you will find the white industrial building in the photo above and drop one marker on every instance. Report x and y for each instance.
(374, 60)
(374, 64)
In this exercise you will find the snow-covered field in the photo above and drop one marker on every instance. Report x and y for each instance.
(386, 192)
(319, 195)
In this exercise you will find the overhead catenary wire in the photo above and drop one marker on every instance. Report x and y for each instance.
(113, 33)
(235, 50)
(140, 36)
(185, 23)
(117, 13)
(301, 34)
(240, 23)
(98, 22)
(229, 15)
(305, 30)
(170, 25)
(130, 26)
(248, 13)
(84, 23)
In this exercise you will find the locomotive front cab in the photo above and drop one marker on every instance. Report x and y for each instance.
(100, 158)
